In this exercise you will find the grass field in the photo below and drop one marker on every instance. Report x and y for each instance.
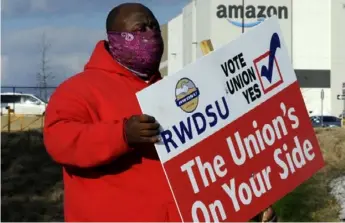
(32, 183)
(311, 201)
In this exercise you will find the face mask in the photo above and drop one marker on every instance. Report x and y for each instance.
(139, 51)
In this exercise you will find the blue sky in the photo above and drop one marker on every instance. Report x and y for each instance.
(72, 28)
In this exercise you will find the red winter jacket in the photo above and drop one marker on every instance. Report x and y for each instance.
(104, 179)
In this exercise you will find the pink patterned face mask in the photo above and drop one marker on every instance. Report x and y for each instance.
(137, 51)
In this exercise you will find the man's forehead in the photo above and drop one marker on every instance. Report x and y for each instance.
(129, 15)
(136, 17)
(135, 12)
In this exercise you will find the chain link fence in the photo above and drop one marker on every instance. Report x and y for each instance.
(23, 108)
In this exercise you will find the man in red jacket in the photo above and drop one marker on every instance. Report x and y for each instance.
(94, 127)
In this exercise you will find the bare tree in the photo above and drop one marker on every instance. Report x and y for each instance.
(44, 75)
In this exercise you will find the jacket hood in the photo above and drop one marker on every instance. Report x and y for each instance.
(102, 60)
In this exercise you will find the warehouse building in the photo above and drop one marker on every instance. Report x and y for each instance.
(314, 33)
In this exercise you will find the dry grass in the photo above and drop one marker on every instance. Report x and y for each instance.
(32, 183)
(311, 201)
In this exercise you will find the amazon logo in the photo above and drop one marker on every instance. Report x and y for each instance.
(255, 14)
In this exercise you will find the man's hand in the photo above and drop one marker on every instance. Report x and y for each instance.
(142, 129)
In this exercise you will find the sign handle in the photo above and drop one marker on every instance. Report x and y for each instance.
(206, 46)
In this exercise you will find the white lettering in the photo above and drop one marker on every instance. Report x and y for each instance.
(253, 144)
(293, 118)
(237, 160)
(188, 166)
(268, 134)
(242, 190)
(206, 170)
(230, 191)
(307, 147)
(243, 195)
(203, 168)
(296, 160)
(216, 209)
(283, 175)
(218, 163)
(198, 205)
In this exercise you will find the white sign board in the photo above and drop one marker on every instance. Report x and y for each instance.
(231, 121)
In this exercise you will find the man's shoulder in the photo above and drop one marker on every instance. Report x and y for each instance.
(74, 82)
(75, 86)
(81, 84)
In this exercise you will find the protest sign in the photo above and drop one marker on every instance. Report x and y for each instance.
(236, 135)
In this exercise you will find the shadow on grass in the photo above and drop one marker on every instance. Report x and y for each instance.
(307, 203)
(31, 183)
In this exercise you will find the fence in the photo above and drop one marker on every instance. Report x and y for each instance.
(23, 108)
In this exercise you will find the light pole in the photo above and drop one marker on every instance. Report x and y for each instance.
(342, 97)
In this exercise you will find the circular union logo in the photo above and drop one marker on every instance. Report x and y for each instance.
(187, 95)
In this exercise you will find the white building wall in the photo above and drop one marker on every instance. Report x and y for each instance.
(221, 31)
(312, 46)
(189, 24)
(312, 34)
(175, 44)
(203, 23)
(338, 54)
(312, 100)
(195, 45)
